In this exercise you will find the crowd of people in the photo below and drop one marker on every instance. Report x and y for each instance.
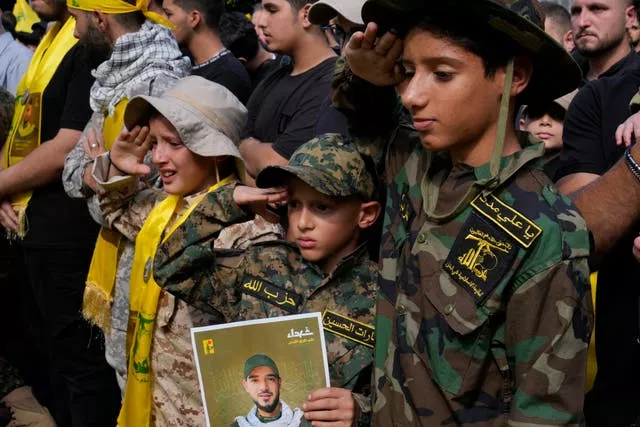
(459, 176)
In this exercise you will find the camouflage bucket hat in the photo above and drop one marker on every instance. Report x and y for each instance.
(329, 164)
(258, 360)
(555, 73)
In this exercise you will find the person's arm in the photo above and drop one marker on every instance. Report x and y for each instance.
(45, 164)
(77, 166)
(364, 89)
(17, 70)
(610, 205)
(582, 159)
(185, 264)
(42, 166)
(546, 347)
(257, 155)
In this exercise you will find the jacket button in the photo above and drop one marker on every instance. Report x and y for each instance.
(422, 238)
(402, 309)
(448, 309)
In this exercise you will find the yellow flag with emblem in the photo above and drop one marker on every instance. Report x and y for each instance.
(25, 16)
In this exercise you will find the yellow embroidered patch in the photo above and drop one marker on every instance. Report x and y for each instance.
(348, 328)
(510, 220)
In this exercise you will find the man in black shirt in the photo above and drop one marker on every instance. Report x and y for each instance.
(600, 36)
(589, 151)
(60, 234)
(239, 35)
(284, 107)
(196, 28)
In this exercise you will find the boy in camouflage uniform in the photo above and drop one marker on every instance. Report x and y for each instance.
(484, 311)
(327, 270)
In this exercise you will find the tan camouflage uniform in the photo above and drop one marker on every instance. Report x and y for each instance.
(176, 393)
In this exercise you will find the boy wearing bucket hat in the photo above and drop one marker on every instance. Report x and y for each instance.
(474, 236)
(192, 147)
(324, 268)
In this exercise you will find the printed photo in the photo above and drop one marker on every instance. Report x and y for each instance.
(255, 372)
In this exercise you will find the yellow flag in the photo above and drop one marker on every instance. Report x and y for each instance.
(25, 16)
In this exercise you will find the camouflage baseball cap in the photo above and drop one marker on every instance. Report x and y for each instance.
(330, 164)
(521, 22)
(258, 360)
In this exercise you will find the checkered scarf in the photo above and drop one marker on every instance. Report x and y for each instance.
(137, 57)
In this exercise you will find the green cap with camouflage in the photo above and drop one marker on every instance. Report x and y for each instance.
(555, 73)
(330, 164)
(258, 360)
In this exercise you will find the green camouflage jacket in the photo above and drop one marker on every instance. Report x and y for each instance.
(240, 284)
(483, 319)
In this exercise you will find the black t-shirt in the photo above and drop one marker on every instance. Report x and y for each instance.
(283, 109)
(331, 120)
(54, 219)
(228, 72)
(266, 68)
(589, 146)
(629, 61)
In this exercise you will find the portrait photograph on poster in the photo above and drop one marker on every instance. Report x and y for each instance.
(255, 371)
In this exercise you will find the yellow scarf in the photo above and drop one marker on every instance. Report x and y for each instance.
(24, 135)
(98, 293)
(116, 7)
(145, 293)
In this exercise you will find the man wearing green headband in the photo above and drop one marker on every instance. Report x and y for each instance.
(484, 311)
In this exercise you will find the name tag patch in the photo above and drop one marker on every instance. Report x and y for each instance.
(348, 328)
(479, 257)
(508, 219)
(275, 295)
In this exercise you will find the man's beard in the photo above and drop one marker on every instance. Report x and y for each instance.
(269, 408)
(98, 47)
(600, 50)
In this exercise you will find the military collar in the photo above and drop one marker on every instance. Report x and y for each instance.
(356, 257)
(532, 149)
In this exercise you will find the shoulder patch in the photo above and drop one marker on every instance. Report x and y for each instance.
(480, 256)
(275, 295)
(515, 224)
(349, 328)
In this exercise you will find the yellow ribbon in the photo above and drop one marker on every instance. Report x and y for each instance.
(145, 293)
(118, 7)
(24, 135)
(98, 292)
(592, 364)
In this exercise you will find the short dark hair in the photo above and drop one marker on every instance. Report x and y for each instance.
(299, 4)
(211, 9)
(132, 20)
(557, 14)
(239, 35)
(494, 50)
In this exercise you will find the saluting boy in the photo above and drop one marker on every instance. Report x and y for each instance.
(325, 268)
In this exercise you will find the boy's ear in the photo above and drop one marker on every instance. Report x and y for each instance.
(303, 14)
(523, 124)
(522, 72)
(369, 212)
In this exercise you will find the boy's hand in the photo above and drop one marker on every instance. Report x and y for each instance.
(331, 407)
(374, 59)
(129, 150)
(258, 199)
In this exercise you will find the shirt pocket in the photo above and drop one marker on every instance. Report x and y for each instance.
(465, 299)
